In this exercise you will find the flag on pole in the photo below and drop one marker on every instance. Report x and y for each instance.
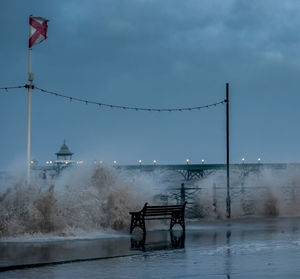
(38, 30)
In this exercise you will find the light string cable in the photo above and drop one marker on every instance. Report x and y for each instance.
(57, 94)
(12, 87)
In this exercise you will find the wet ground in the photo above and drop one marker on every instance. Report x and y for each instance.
(252, 248)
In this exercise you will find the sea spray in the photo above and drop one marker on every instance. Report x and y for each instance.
(98, 199)
(269, 192)
(82, 199)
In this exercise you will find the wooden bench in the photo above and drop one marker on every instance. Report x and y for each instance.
(173, 212)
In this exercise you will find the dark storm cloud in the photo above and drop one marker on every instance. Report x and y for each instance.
(156, 53)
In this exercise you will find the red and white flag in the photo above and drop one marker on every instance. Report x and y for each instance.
(38, 30)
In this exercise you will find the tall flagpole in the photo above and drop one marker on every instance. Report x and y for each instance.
(30, 79)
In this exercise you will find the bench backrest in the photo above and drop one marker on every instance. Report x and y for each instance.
(160, 210)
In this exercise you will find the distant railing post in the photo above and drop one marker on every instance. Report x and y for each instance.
(182, 194)
(228, 201)
(215, 197)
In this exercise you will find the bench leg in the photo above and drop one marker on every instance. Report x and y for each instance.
(137, 220)
(138, 243)
(177, 241)
(177, 218)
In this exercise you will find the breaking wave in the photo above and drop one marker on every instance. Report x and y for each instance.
(267, 192)
(89, 199)
(98, 199)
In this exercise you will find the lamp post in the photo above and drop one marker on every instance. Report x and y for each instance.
(140, 162)
(187, 161)
(228, 199)
(202, 161)
(154, 162)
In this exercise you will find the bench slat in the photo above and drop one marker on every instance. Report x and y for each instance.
(158, 209)
(160, 218)
(159, 214)
(162, 209)
(165, 206)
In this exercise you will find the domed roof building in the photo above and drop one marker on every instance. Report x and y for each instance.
(64, 153)
(53, 168)
(64, 157)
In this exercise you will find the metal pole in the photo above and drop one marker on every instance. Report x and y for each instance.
(30, 79)
(182, 194)
(228, 201)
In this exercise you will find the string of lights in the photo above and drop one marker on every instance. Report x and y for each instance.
(70, 98)
(11, 87)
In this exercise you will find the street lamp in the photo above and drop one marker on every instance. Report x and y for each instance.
(115, 162)
(259, 160)
(243, 160)
(187, 161)
(202, 161)
(154, 162)
(140, 162)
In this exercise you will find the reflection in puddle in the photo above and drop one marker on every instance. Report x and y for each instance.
(160, 240)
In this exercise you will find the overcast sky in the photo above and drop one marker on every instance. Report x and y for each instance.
(153, 53)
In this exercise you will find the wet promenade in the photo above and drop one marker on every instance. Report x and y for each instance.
(252, 248)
